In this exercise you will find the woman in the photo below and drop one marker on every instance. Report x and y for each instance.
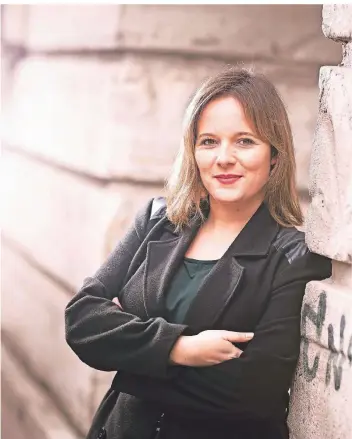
(175, 306)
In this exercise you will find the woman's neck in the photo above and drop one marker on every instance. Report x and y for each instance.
(231, 215)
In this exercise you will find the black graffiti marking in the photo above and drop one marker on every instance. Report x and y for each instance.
(349, 352)
(318, 319)
(336, 357)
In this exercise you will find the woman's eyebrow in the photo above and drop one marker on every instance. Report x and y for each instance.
(205, 135)
(241, 133)
(245, 133)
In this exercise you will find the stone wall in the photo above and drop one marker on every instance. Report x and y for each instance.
(92, 103)
(322, 393)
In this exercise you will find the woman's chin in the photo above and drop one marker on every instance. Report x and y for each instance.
(226, 196)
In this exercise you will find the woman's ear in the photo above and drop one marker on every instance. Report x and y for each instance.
(273, 158)
(273, 161)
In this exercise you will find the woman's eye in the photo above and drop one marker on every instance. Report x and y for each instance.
(208, 142)
(246, 142)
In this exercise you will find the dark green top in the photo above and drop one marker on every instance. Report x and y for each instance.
(184, 287)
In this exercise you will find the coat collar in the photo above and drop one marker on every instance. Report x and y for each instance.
(254, 239)
(257, 235)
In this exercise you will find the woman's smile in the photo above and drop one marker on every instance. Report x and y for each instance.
(228, 179)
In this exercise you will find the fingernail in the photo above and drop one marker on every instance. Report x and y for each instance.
(249, 334)
(237, 354)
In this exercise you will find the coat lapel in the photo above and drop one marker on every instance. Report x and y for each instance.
(162, 260)
(219, 286)
(214, 294)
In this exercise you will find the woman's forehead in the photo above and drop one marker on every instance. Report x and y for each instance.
(224, 114)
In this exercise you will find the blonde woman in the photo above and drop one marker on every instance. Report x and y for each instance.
(198, 307)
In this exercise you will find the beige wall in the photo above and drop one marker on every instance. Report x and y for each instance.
(92, 103)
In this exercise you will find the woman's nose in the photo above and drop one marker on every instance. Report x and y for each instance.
(225, 155)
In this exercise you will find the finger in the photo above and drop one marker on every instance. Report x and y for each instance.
(236, 353)
(237, 336)
(116, 301)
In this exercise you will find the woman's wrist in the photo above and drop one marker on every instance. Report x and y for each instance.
(178, 354)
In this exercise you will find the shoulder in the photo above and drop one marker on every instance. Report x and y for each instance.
(154, 208)
(150, 213)
(158, 208)
(290, 243)
(297, 261)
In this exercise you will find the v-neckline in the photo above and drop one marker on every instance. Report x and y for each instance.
(192, 265)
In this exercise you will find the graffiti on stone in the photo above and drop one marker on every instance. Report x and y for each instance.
(337, 356)
(318, 319)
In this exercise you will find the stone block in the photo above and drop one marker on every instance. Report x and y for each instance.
(122, 119)
(321, 396)
(337, 22)
(222, 30)
(33, 320)
(13, 425)
(14, 24)
(8, 60)
(61, 27)
(303, 119)
(62, 221)
(329, 224)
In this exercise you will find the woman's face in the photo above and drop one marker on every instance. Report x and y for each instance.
(234, 164)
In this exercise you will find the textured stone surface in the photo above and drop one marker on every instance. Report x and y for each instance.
(14, 23)
(61, 220)
(225, 30)
(322, 391)
(26, 406)
(329, 219)
(347, 55)
(123, 118)
(103, 119)
(342, 274)
(337, 22)
(209, 29)
(8, 59)
(12, 425)
(33, 317)
(65, 26)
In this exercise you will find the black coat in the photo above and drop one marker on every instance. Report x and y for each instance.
(257, 286)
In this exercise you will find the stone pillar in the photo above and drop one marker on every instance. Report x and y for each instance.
(322, 390)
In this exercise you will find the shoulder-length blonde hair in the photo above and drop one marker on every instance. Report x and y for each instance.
(265, 110)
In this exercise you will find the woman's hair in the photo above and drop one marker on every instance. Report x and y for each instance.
(266, 112)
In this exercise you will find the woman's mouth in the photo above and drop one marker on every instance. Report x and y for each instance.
(228, 179)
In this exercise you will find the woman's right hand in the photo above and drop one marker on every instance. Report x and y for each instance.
(207, 348)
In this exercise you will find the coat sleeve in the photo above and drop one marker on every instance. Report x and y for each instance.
(257, 383)
(108, 339)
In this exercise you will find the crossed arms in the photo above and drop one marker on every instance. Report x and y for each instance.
(108, 338)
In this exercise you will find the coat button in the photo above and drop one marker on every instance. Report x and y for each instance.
(102, 434)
